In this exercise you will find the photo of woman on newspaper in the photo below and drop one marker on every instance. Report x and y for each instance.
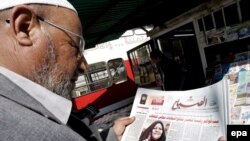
(155, 132)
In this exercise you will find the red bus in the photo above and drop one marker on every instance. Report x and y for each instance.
(108, 83)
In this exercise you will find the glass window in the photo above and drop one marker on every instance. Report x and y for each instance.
(117, 70)
(218, 16)
(95, 78)
(231, 15)
(244, 6)
(208, 22)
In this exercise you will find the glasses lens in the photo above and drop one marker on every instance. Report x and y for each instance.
(81, 45)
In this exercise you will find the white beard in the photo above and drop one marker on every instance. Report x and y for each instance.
(50, 75)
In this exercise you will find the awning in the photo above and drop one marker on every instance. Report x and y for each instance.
(106, 20)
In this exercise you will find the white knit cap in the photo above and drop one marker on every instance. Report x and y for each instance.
(4, 4)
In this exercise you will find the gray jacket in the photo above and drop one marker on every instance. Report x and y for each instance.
(22, 118)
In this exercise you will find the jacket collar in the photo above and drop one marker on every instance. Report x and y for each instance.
(34, 96)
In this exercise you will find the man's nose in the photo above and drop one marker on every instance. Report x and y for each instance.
(83, 65)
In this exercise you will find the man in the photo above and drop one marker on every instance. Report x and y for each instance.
(171, 72)
(41, 44)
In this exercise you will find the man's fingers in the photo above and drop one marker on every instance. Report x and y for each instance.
(120, 125)
(125, 120)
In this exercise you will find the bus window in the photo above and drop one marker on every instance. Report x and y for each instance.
(117, 70)
(95, 78)
(81, 87)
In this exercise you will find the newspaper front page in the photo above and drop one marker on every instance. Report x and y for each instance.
(193, 115)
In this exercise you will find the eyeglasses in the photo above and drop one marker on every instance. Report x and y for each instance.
(81, 43)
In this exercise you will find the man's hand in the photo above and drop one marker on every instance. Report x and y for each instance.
(120, 125)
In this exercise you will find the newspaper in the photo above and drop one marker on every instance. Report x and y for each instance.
(239, 92)
(193, 115)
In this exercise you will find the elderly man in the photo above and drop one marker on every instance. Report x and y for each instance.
(40, 55)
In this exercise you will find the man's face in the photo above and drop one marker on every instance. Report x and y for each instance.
(57, 70)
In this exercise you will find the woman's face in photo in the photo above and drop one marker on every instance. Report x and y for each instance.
(157, 131)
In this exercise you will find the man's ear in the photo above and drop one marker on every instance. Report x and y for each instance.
(23, 20)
